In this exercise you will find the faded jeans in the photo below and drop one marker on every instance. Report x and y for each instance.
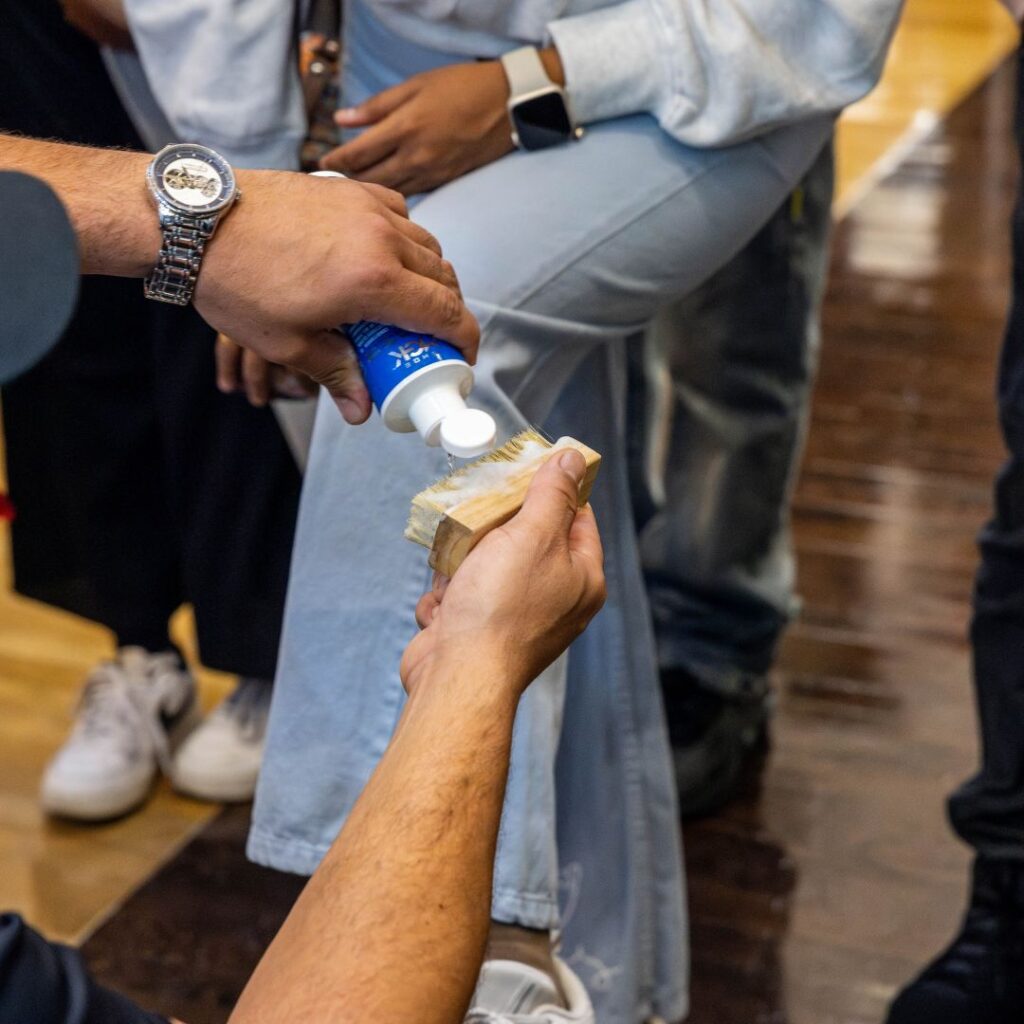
(563, 255)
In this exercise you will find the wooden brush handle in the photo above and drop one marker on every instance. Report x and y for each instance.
(465, 525)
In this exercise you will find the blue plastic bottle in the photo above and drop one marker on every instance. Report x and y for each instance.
(420, 383)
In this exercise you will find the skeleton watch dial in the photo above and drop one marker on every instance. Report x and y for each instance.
(192, 179)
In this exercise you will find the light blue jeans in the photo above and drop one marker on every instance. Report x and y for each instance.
(563, 255)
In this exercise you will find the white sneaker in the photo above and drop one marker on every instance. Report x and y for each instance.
(132, 712)
(513, 993)
(221, 759)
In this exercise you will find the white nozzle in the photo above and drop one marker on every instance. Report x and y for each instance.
(468, 433)
(440, 416)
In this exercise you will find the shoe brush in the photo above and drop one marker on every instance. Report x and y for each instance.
(455, 514)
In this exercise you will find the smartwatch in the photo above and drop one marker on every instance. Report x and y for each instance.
(193, 187)
(537, 107)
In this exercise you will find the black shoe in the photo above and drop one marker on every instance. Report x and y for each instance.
(714, 739)
(980, 978)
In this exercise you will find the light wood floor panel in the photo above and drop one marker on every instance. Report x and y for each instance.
(942, 50)
(65, 878)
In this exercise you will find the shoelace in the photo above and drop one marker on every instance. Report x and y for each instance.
(113, 701)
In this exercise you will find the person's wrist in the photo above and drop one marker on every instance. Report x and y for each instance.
(501, 87)
(224, 253)
(480, 671)
(552, 62)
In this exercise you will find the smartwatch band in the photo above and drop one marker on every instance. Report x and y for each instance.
(525, 72)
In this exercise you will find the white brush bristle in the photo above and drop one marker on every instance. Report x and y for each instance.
(479, 477)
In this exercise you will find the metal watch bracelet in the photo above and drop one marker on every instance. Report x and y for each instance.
(174, 277)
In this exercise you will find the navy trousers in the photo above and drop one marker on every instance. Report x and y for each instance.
(988, 810)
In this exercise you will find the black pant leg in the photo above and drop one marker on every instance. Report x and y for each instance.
(988, 810)
(83, 458)
(232, 489)
(139, 486)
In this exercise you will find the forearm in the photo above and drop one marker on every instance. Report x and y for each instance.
(392, 926)
(104, 192)
(719, 73)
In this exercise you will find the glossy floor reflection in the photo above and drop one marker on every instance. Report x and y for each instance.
(942, 50)
(832, 883)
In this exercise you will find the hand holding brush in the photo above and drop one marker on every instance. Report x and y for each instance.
(523, 594)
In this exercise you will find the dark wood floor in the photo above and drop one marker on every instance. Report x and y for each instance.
(823, 889)
(822, 892)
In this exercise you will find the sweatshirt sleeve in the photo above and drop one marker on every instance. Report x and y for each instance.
(225, 74)
(715, 72)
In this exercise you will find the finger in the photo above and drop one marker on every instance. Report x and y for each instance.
(587, 556)
(228, 360)
(256, 375)
(419, 234)
(420, 304)
(439, 586)
(370, 148)
(585, 538)
(552, 499)
(391, 169)
(328, 357)
(286, 383)
(393, 200)
(427, 263)
(373, 109)
(426, 608)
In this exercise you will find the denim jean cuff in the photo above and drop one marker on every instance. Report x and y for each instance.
(284, 853)
(528, 910)
(727, 679)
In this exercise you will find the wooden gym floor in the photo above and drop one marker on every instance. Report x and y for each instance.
(836, 876)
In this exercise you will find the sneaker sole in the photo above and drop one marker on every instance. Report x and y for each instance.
(199, 788)
(111, 804)
(105, 806)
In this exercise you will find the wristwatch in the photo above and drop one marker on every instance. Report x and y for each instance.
(537, 107)
(193, 188)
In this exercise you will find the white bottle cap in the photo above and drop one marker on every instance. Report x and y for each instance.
(468, 433)
(440, 415)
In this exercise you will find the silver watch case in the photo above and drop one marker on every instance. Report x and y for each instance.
(174, 183)
(190, 201)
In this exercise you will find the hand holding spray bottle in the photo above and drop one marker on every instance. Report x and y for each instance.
(420, 383)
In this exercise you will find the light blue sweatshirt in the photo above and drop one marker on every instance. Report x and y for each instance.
(712, 72)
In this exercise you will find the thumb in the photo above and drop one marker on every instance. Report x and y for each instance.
(329, 358)
(373, 109)
(552, 499)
